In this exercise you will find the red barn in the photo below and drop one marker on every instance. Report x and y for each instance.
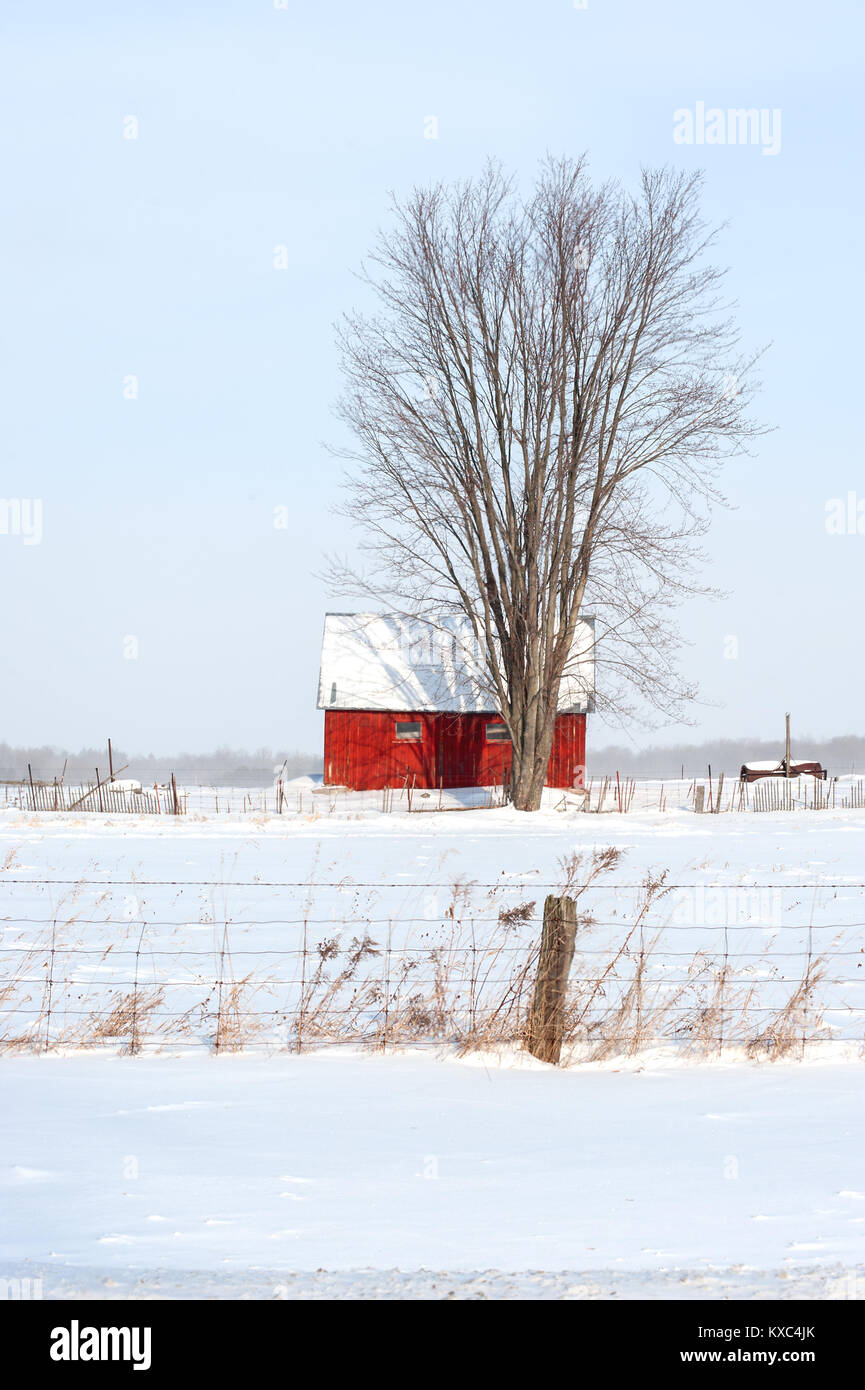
(405, 697)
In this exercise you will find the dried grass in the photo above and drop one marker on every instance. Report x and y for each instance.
(128, 1019)
(798, 1021)
(466, 986)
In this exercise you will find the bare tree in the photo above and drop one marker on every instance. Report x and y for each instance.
(540, 405)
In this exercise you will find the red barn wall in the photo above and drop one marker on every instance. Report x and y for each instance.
(362, 751)
(567, 766)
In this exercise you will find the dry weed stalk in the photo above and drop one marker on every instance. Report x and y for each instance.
(128, 1018)
(639, 1017)
(323, 1012)
(798, 1021)
(653, 890)
(235, 1022)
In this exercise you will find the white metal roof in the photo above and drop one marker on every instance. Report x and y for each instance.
(383, 661)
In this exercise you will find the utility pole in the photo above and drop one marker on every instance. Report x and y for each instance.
(787, 749)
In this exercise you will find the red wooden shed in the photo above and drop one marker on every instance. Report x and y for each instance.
(407, 697)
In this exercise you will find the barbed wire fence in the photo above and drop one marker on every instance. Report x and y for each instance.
(766, 966)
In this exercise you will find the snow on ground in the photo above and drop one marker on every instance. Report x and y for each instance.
(415, 1174)
(248, 1175)
(831, 1282)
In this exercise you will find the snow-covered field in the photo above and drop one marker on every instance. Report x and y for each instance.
(422, 1176)
(418, 1173)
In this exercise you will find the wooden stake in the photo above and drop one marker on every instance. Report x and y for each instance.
(547, 1017)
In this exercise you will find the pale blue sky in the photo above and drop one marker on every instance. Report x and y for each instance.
(260, 127)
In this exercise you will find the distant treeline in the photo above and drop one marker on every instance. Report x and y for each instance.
(239, 768)
(838, 755)
(225, 766)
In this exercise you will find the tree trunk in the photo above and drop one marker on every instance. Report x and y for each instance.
(531, 756)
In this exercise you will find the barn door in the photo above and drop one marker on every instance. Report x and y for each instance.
(457, 752)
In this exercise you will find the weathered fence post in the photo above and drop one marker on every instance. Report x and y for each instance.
(547, 1017)
(699, 799)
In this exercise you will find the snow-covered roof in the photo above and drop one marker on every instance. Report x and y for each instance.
(384, 661)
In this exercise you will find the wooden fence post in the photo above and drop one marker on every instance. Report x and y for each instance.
(547, 1017)
(699, 799)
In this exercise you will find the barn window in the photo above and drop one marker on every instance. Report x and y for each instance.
(408, 729)
(498, 733)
